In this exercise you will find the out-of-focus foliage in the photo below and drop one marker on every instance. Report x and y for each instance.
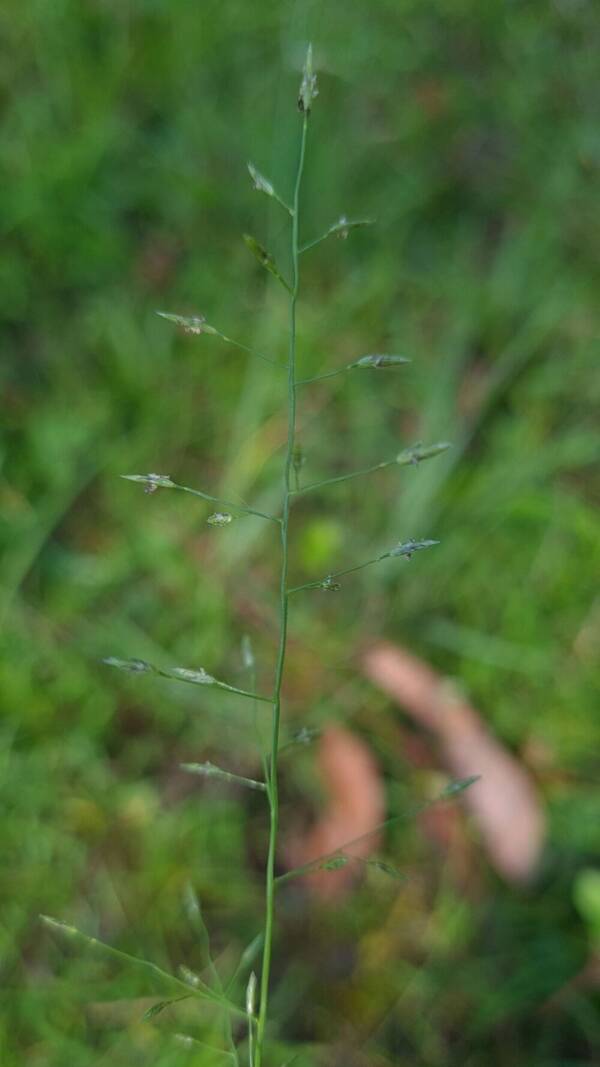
(470, 131)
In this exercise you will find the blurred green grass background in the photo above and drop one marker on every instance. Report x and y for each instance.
(470, 131)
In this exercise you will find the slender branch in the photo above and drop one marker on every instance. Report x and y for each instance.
(321, 377)
(450, 791)
(333, 862)
(153, 482)
(337, 574)
(340, 228)
(411, 456)
(273, 793)
(203, 993)
(252, 351)
(405, 549)
(193, 676)
(208, 770)
(218, 685)
(312, 244)
(228, 504)
(345, 477)
(279, 200)
(188, 1042)
(197, 324)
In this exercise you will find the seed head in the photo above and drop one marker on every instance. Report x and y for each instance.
(308, 85)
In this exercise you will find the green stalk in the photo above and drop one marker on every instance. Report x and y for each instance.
(273, 792)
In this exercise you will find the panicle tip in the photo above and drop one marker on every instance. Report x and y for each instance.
(308, 85)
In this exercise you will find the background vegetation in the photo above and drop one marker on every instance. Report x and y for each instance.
(470, 131)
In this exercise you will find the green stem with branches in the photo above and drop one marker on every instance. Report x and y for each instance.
(273, 786)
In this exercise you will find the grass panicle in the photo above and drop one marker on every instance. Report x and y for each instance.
(215, 993)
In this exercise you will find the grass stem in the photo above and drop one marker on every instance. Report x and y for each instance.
(273, 793)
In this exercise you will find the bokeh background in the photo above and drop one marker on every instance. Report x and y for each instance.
(470, 131)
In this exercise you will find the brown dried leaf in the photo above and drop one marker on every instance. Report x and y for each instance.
(504, 803)
(356, 805)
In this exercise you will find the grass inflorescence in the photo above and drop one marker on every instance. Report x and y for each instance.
(256, 1009)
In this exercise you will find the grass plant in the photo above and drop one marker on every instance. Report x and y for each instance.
(257, 991)
(470, 132)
